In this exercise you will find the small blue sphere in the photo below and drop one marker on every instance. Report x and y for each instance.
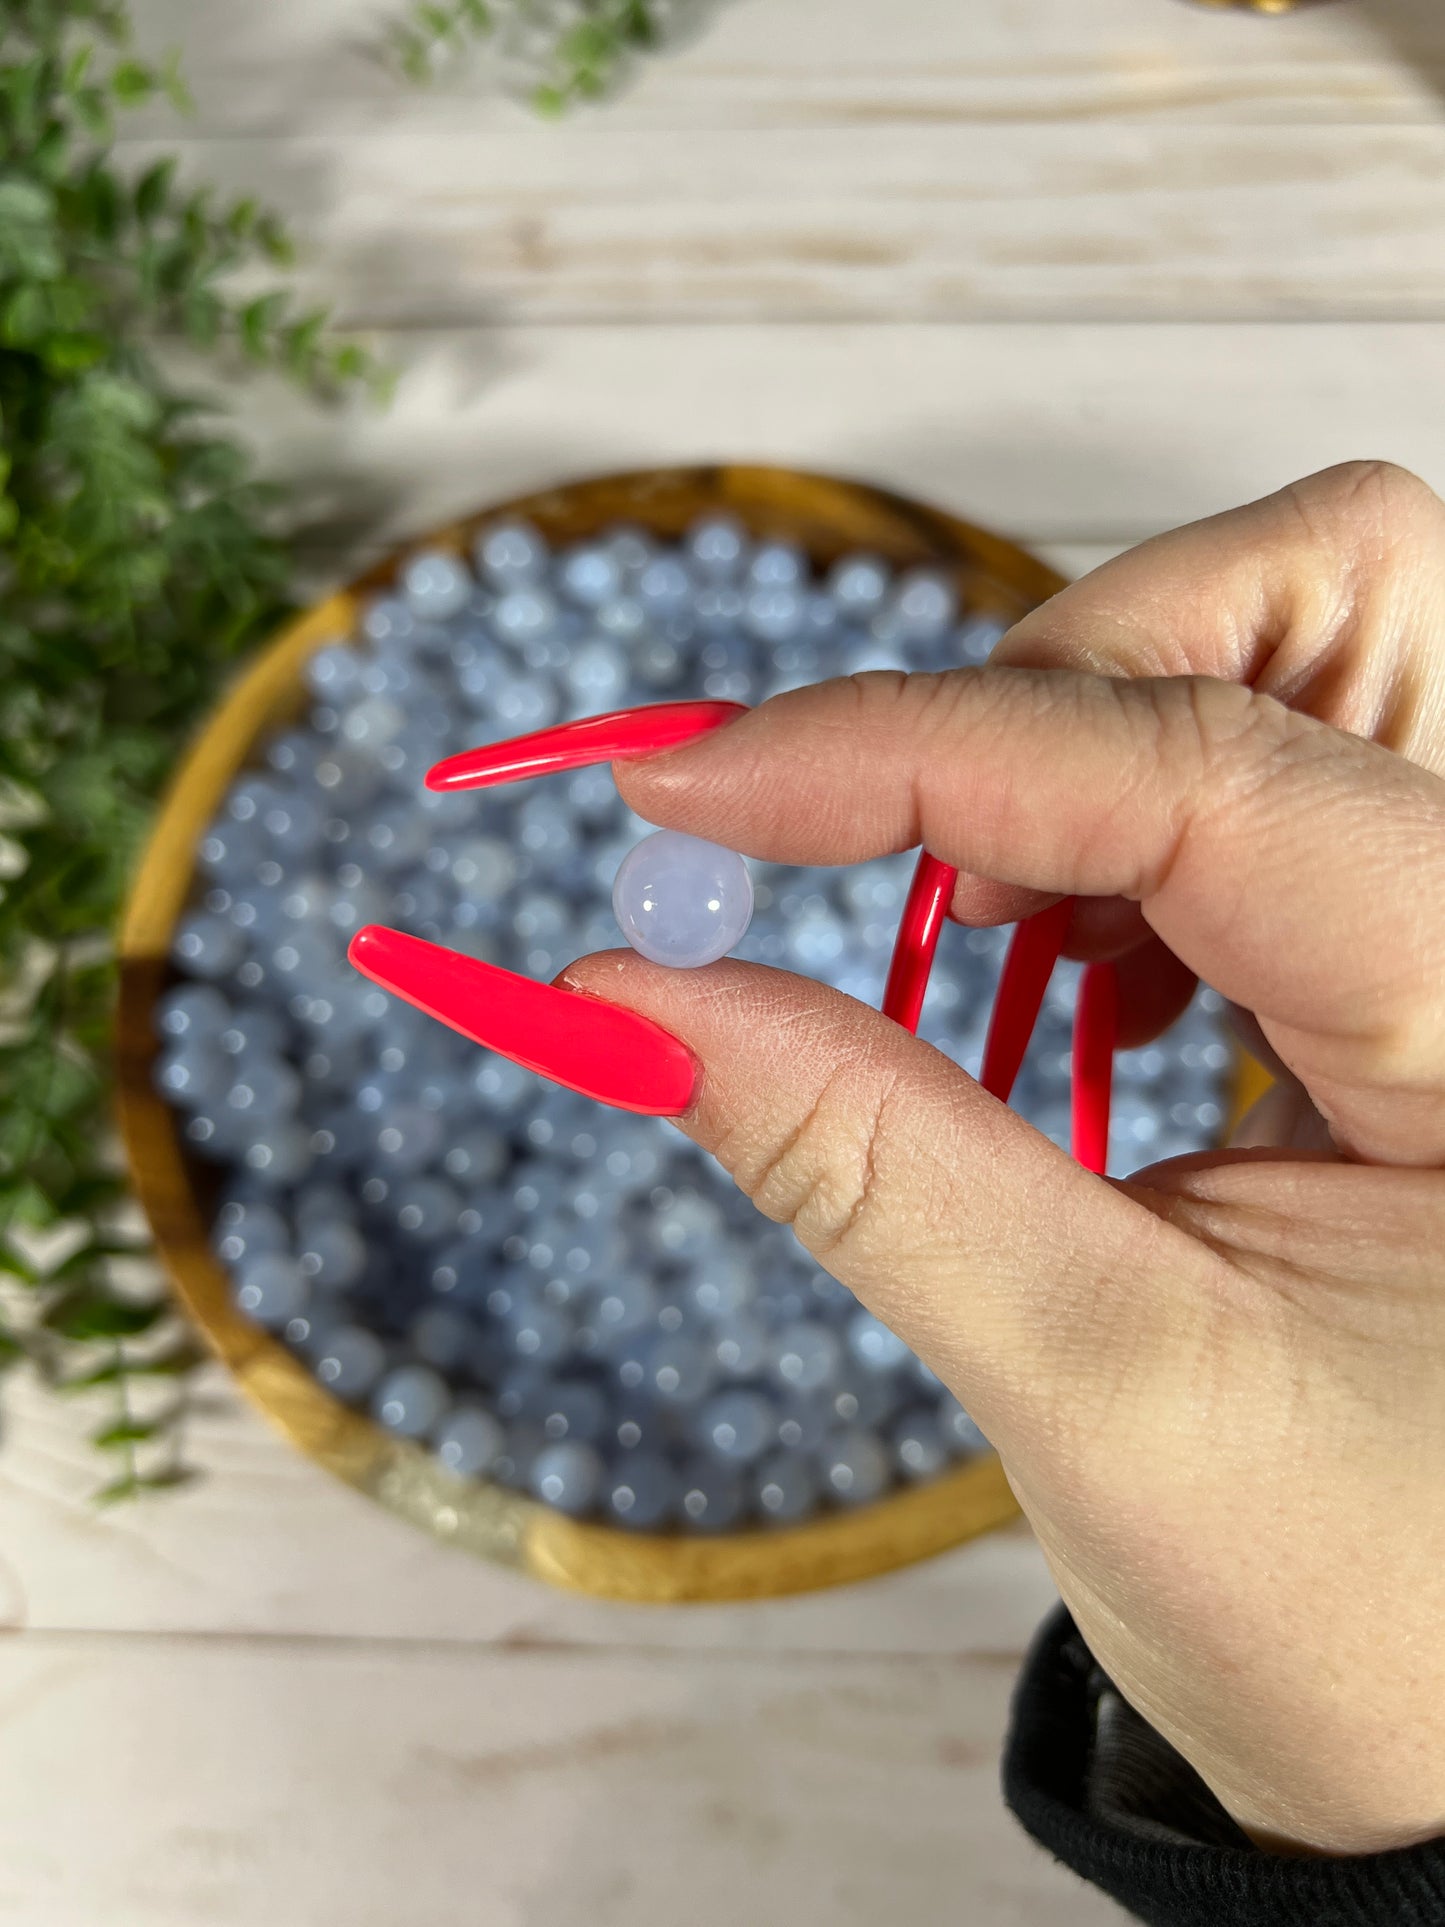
(682, 902)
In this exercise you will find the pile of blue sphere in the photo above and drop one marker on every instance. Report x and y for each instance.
(554, 1296)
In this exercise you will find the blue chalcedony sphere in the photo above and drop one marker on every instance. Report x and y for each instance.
(681, 901)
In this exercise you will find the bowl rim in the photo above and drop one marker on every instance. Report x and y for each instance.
(830, 516)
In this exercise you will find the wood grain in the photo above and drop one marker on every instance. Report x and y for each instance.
(230, 1783)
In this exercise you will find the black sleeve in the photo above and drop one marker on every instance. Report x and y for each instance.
(1093, 1783)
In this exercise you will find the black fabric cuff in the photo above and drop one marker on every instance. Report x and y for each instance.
(1155, 1838)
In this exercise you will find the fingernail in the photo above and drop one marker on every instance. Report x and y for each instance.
(1032, 953)
(624, 733)
(929, 896)
(581, 1041)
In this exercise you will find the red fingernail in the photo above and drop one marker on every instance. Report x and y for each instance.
(1092, 1064)
(590, 1046)
(595, 739)
(1032, 954)
(929, 896)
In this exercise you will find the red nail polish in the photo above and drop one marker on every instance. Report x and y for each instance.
(929, 896)
(1032, 954)
(623, 734)
(1095, 1025)
(580, 1041)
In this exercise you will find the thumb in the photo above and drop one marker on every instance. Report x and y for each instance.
(1005, 1265)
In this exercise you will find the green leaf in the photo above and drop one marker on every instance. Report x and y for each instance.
(132, 82)
(173, 1364)
(258, 323)
(126, 1432)
(89, 1314)
(153, 189)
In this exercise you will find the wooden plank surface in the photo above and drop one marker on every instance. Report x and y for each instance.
(231, 1783)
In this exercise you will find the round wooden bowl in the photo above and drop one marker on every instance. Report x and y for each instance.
(827, 517)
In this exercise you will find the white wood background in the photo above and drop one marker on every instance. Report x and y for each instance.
(1079, 268)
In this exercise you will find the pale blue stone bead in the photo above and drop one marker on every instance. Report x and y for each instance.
(596, 676)
(656, 664)
(592, 796)
(332, 1253)
(545, 829)
(294, 754)
(408, 1139)
(737, 1426)
(333, 674)
(572, 1409)
(192, 1075)
(280, 1153)
(865, 1398)
(816, 942)
(924, 605)
(680, 1370)
(348, 777)
(245, 1231)
(855, 1467)
(978, 637)
(524, 703)
(777, 565)
(717, 547)
(468, 1441)
(665, 585)
(501, 1086)
(625, 1306)
(589, 576)
(318, 1202)
(478, 1157)
(265, 1089)
(425, 1209)
(511, 553)
(681, 901)
(625, 624)
(739, 1346)
(541, 1333)
(347, 1359)
(786, 1489)
(640, 1491)
(712, 1497)
(251, 1030)
(774, 615)
(959, 1432)
(919, 1448)
(482, 869)
(806, 1355)
(873, 1345)
(388, 622)
(293, 825)
(524, 616)
(271, 1288)
(566, 1475)
(631, 548)
(802, 1423)
(721, 1283)
(192, 1011)
(368, 726)
(441, 1337)
(410, 1400)
(207, 945)
(720, 608)
(859, 583)
(436, 585)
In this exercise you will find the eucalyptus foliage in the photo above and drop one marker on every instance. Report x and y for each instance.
(573, 51)
(137, 557)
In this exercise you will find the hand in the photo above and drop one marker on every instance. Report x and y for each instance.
(1218, 1389)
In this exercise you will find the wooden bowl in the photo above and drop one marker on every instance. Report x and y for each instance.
(827, 517)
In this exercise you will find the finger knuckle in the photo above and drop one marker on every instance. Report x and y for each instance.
(821, 1175)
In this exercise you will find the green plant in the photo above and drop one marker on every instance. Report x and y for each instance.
(573, 53)
(138, 555)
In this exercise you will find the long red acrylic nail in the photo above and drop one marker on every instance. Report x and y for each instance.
(1096, 1017)
(622, 734)
(589, 1045)
(1032, 954)
(929, 896)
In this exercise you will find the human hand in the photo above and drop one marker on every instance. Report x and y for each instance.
(1218, 1388)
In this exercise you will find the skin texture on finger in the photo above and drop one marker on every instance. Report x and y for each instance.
(999, 1260)
(1328, 596)
(1299, 870)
